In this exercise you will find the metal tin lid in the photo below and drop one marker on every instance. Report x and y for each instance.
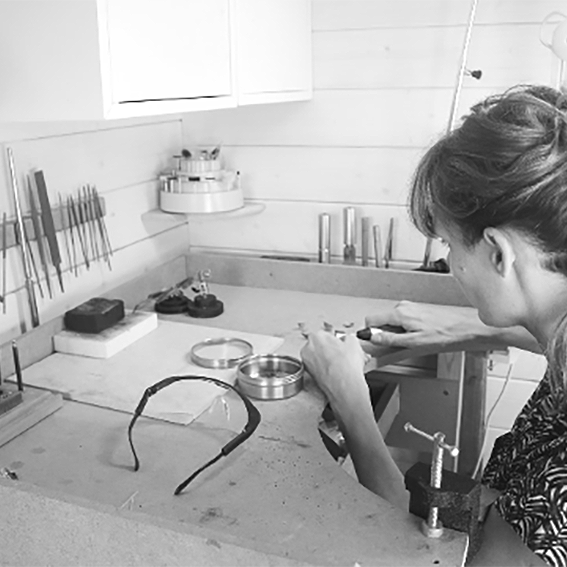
(223, 352)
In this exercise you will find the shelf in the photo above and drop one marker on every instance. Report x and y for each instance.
(249, 209)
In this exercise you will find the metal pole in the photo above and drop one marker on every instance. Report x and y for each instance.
(455, 102)
(28, 281)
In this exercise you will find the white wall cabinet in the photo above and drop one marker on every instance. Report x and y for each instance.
(101, 59)
(273, 50)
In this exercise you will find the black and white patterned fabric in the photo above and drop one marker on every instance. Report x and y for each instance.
(529, 466)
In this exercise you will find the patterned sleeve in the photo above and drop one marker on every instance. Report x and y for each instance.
(536, 508)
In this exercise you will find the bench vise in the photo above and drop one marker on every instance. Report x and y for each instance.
(443, 498)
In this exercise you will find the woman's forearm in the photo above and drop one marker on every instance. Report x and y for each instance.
(374, 465)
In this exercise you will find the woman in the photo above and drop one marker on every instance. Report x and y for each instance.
(495, 191)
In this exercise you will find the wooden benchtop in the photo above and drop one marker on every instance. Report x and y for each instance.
(280, 497)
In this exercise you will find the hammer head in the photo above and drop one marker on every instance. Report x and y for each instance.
(458, 501)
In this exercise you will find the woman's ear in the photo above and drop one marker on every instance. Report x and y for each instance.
(500, 250)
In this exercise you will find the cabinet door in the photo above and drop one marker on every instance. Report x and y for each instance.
(273, 50)
(167, 49)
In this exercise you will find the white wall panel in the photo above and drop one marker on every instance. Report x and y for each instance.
(327, 174)
(427, 57)
(361, 14)
(349, 118)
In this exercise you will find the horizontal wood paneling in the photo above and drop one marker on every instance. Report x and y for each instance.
(326, 174)
(352, 118)
(357, 14)
(394, 58)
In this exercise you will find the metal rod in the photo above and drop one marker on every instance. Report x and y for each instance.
(17, 366)
(349, 236)
(39, 236)
(377, 245)
(92, 223)
(4, 250)
(64, 231)
(93, 200)
(77, 226)
(102, 222)
(364, 235)
(73, 246)
(28, 282)
(33, 262)
(324, 238)
(455, 101)
(388, 254)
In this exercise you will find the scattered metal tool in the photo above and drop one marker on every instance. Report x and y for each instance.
(324, 238)
(28, 281)
(365, 231)
(64, 232)
(39, 236)
(72, 238)
(100, 218)
(349, 247)
(79, 234)
(32, 259)
(4, 250)
(389, 245)
(17, 366)
(48, 225)
(377, 245)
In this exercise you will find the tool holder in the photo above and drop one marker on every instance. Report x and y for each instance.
(443, 498)
(60, 220)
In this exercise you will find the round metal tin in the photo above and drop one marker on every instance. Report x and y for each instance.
(270, 376)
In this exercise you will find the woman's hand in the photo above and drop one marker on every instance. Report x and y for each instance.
(444, 328)
(338, 368)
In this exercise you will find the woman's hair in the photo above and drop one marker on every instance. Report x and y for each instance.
(504, 166)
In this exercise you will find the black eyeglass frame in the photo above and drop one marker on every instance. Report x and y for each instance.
(252, 423)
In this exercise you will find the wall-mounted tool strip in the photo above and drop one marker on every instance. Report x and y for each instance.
(96, 210)
(79, 220)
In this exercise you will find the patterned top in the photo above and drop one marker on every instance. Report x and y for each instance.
(529, 466)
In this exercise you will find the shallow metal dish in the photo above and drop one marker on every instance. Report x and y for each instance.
(270, 376)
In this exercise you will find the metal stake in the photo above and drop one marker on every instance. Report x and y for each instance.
(28, 281)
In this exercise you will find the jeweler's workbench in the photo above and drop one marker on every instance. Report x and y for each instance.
(279, 499)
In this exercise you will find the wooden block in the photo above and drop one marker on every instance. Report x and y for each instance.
(36, 405)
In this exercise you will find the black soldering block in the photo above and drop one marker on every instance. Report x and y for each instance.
(95, 315)
(458, 501)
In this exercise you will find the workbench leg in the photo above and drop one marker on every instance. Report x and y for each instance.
(473, 411)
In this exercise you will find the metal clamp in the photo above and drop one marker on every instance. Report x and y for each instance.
(433, 527)
(245, 346)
